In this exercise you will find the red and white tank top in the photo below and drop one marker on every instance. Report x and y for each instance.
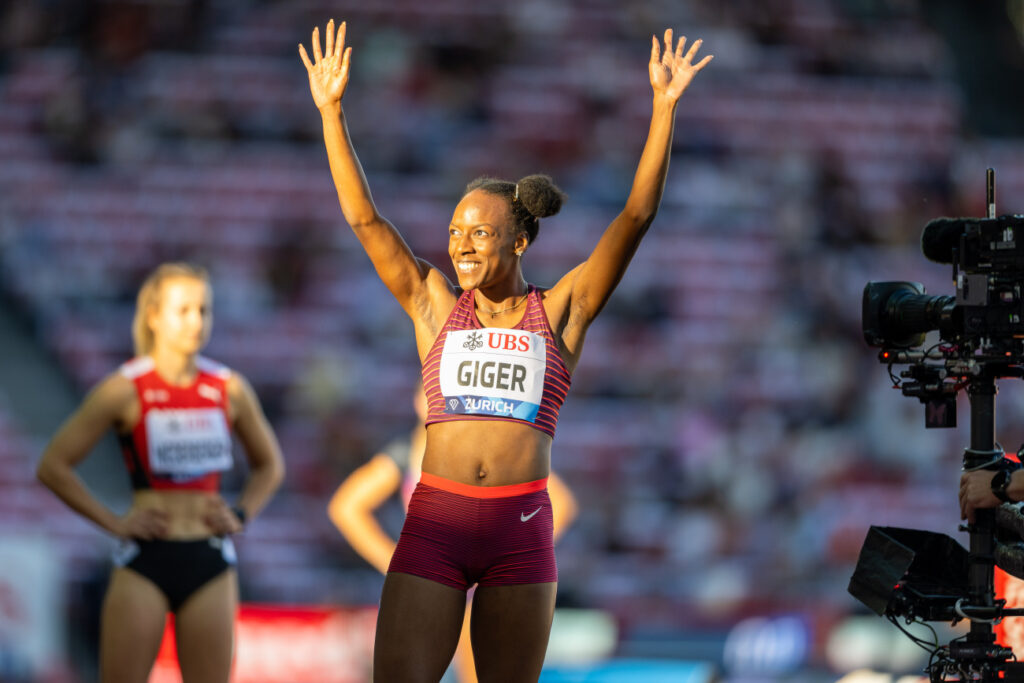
(474, 372)
(183, 438)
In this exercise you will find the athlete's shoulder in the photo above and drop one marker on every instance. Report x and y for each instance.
(136, 367)
(212, 367)
(537, 291)
(114, 392)
(242, 398)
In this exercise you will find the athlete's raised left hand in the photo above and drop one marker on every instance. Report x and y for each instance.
(671, 71)
(328, 72)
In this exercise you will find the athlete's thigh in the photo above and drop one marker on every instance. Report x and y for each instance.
(204, 627)
(418, 628)
(131, 627)
(510, 626)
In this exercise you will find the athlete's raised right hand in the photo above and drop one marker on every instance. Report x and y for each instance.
(328, 72)
(143, 523)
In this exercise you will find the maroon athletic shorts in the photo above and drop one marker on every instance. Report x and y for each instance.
(458, 535)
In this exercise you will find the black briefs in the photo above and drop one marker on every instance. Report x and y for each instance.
(178, 568)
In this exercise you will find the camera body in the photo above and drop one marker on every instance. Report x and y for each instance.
(981, 327)
(984, 320)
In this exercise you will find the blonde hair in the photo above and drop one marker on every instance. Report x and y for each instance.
(148, 299)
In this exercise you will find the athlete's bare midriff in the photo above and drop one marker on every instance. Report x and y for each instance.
(487, 452)
(185, 510)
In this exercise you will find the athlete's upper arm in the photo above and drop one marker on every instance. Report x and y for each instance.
(609, 259)
(105, 407)
(432, 309)
(366, 488)
(411, 280)
(251, 424)
(398, 268)
(563, 503)
(566, 317)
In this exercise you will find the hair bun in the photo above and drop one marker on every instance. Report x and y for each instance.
(539, 195)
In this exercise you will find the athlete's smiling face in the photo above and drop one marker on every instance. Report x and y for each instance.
(482, 242)
(183, 317)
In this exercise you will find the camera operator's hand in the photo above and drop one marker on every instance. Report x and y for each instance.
(976, 492)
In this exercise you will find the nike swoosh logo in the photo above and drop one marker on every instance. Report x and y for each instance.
(527, 517)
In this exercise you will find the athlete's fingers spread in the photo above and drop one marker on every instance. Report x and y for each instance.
(157, 530)
(145, 525)
(216, 505)
(223, 523)
(346, 58)
(317, 55)
(693, 49)
(329, 40)
(213, 515)
(305, 57)
(220, 517)
(156, 522)
(702, 63)
(679, 46)
(215, 522)
(655, 50)
(668, 43)
(340, 42)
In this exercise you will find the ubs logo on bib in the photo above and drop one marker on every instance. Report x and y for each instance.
(495, 372)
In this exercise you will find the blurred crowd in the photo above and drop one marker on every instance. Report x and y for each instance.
(729, 436)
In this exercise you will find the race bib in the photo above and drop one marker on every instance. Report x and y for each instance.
(493, 371)
(188, 442)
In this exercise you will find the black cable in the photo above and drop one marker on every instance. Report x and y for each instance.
(896, 382)
(929, 350)
(931, 648)
(941, 662)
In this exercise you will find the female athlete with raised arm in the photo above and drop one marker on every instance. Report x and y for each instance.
(497, 357)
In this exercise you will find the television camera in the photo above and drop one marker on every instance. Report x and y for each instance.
(918, 575)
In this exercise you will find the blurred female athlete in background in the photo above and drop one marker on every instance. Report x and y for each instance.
(396, 469)
(497, 356)
(174, 412)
